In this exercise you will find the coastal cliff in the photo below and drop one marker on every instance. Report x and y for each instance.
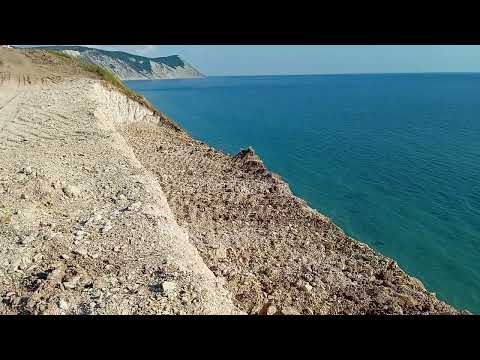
(133, 67)
(108, 207)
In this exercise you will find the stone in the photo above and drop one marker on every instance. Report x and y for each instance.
(27, 239)
(94, 218)
(25, 261)
(79, 233)
(106, 228)
(56, 275)
(100, 283)
(114, 214)
(308, 287)
(168, 287)
(27, 170)
(271, 310)
(71, 191)
(72, 283)
(80, 251)
(289, 310)
(5, 216)
(221, 252)
(63, 305)
(69, 285)
(397, 309)
(37, 258)
(16, 264)
(134, 206)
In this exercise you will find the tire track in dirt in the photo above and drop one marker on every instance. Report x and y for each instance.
(26, 122)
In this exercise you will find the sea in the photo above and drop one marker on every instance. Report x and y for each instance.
(393, 159)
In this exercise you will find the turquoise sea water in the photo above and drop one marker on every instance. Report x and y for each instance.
(394, 160)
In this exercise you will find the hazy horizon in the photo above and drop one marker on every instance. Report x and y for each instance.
(335, 74)
(271, 60)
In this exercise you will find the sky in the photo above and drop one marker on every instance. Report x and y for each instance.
(316, 59)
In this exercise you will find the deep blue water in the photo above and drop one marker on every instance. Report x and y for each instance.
(393, 159)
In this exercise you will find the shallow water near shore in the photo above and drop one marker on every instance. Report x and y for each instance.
(393, 159)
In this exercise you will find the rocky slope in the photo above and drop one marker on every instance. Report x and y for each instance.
(134, 67)
(107, 208)
(275, 254)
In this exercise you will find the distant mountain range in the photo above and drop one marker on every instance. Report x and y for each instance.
(133, 67)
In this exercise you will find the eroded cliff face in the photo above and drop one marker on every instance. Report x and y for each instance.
(106, 208)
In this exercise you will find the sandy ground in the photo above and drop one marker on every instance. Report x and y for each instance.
(85, 229)
(105, 208)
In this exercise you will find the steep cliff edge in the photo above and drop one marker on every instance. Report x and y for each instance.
(106, 208)
(276, 254)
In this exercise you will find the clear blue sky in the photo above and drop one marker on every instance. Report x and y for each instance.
(318, 59)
